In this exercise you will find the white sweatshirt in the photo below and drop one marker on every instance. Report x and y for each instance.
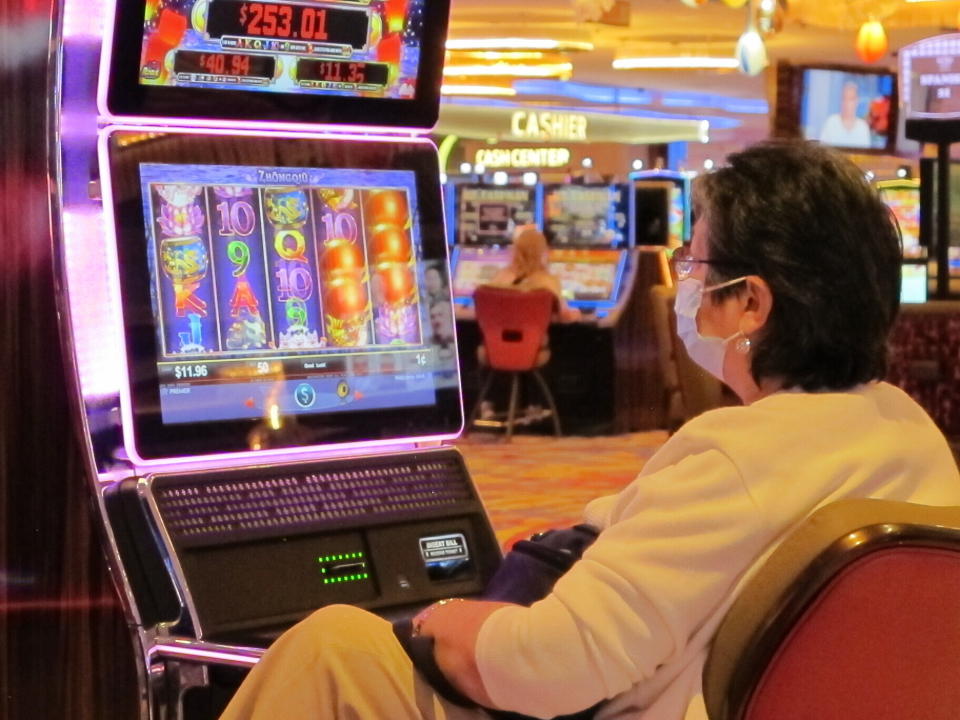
(633, 619)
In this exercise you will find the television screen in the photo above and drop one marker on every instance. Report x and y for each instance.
(903, 199)
(579, 215)
(847, 108)
(489, 214)
(473, 266)
(302, 285)
(331, 61)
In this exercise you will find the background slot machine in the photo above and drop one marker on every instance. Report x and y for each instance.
(257, 301)
(903, 198)
(603, 362)
(660, 208)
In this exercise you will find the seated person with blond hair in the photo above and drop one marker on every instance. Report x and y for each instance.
(528, 269)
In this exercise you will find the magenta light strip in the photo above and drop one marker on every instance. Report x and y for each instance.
(126, 408)
(239, 658)
(84, 19)
(98, 343)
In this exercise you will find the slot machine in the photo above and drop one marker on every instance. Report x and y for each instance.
(660, 207)
(602, 370)
(253, 261)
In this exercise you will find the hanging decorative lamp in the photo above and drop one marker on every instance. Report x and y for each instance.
(871, 41)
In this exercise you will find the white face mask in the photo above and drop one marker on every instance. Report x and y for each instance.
(707, 352)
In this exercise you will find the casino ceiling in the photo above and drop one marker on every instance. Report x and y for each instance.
(562, 53)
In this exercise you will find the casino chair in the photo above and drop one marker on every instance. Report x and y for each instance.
(514, 326)
(855, 616)
(688, 389)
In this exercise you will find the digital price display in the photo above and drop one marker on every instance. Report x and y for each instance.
(348, 27)
(340, 73)
(360, 50)
(224, 64)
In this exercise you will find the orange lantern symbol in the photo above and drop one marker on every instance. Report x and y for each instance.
(397, 282)
(345, 298)
(387, 207)
(871, 41)
(391, 244)
(342, 258)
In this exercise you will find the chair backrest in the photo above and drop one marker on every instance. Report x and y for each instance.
(513, 323)
(699, 391)
(661, 302)
(856, 615)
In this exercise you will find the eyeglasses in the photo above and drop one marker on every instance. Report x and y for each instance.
(684, 263)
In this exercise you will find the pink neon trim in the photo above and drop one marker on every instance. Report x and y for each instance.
(193, 653)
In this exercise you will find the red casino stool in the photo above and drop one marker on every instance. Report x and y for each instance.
(514, 326)
(855, 616)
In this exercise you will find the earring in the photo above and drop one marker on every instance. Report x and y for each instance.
(742, 345)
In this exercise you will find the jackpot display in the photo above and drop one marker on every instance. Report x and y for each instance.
(333, 61)
(335, 47)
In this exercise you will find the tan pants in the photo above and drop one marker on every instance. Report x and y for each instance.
(343, 663)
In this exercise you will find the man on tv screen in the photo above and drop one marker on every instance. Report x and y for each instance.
(845, 128)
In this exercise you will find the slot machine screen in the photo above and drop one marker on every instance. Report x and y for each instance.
(282, 291)
(913, 282)
(340, 61)
(578, 215)
(654, 211)
(489, 214)
(473, 266)
(903, 199)
(592, 275)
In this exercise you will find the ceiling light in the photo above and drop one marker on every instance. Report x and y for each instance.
(493, 55)
(503, 69)
(677, 62)
(500, 178)
(466, 168)
(498, 90)
(516, 43)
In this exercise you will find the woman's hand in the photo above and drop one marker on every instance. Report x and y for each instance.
(454, 625)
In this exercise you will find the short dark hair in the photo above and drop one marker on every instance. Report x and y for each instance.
(804, 218)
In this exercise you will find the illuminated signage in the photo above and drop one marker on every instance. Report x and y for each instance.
(532, 125)
(930, 77)
(522, 157)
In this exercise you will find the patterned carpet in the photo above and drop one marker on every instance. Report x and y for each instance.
(537, 482)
